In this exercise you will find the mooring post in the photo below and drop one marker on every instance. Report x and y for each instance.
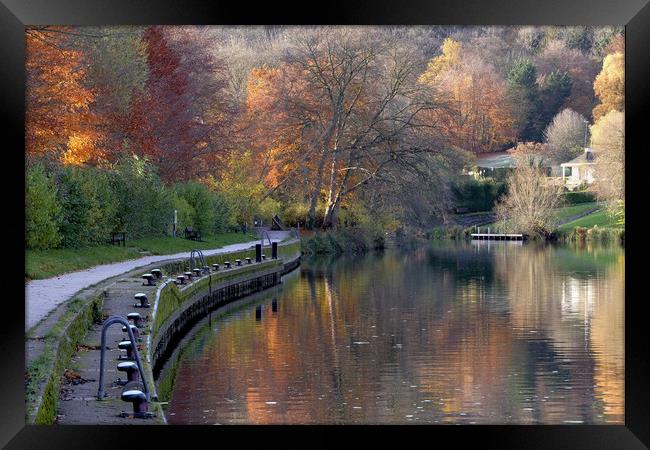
(274, 250)
(258, 253)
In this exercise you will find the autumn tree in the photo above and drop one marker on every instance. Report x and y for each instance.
(58, 118)
(609, 85)
(181, 120)
(476, 117)
(608, 142)
(566, 135)
(117, 75)
(529, 205)
(348, 97)
(581, 69)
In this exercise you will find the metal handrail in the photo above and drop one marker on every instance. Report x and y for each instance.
(110, 321)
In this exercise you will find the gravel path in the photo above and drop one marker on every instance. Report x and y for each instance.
(42, 296)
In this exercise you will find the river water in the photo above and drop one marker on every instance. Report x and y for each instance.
(459, 333)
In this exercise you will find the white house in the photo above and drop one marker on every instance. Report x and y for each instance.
(579, 170)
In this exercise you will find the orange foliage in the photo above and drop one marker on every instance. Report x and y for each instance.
(58, 116)
(275, 134)
(477, 118)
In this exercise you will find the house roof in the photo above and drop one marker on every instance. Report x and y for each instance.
(504, 159)
(495, 160)
(580, 160)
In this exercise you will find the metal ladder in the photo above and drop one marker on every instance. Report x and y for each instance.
(200, 258)
(110, 321)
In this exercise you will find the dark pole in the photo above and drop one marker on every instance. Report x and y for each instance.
(258, 252)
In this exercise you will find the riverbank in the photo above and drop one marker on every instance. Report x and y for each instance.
(64, 351)
(585, 222)
(41, 264)
(346, 240)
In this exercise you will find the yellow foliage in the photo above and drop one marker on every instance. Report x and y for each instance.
(451, 51)
(609, 85)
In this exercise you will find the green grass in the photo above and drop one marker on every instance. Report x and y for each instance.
(599, 218)
(561, 214)
(567, 212)
(48, 263)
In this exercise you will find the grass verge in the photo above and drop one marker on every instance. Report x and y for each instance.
(48, 263)
(599, 218)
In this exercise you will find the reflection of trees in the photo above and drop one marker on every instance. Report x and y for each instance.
(574, 299)
(495, 342)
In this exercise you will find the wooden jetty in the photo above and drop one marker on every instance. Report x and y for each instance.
(497, 236)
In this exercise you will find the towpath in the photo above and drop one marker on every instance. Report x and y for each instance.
(43, 296)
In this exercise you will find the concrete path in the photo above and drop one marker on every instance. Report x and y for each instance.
(43, 296)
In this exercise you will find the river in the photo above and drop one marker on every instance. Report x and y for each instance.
(456, 332)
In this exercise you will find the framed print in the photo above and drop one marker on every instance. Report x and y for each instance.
(383, 219)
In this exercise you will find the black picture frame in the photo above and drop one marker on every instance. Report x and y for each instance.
(633, 14)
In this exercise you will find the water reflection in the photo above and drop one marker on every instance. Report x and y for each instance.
(477, 332)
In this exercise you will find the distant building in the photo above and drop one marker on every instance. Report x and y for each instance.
(500, 163)
(579, 170)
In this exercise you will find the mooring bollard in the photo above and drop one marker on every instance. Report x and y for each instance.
(263, 256)
(134, 329)
(188, 275)
(197, 272)
(142, 298)
(215, 267)
(136, 318)
(227, 264)
(180, 279)
(128, 346)
(157, 273)
(149, 280)
(131, 369)
(258, 253)
(274, 250)
(238, 261)
(139, 401)
(249, 261)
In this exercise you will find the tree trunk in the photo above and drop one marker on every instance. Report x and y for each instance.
(311, 215)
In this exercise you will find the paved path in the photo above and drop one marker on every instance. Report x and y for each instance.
(43, 296)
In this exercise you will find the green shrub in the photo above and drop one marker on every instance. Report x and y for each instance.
(42, 212)
(456, 232)
(201, 201)
(221, 213)
(593, 234)
(145, 206)
(184, 214)
(577, 197)
(478, 195)
(345, 240)
(102, 206)
(89, 206)
(75, 208)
